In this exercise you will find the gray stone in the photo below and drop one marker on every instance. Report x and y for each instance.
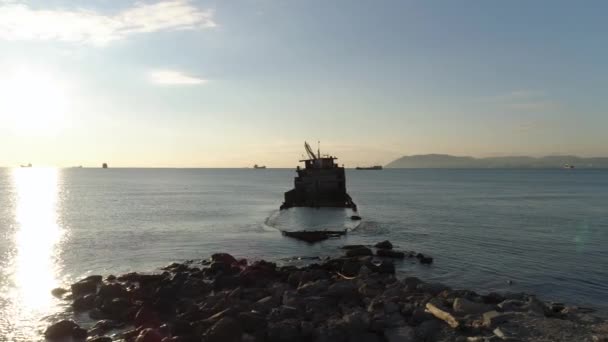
(356, 252)
(400, 334)
(287, 330)
(384, 245)
(512, 305)
(225, 330)
(493, 318)
(266, 304)
(432, 288)
(342, 289)
(356, 321)
(427, 330)
(467, 307)
(364, 337)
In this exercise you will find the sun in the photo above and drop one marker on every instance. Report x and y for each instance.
(33, 102)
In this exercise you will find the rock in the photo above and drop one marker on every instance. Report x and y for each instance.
(385, 267)
(116, 308)
(512, 305)
(493, 318)
(419, 315)
(146, 317)
(442, 314)
(364, 337)
(388, 253)
(112, 291)
(342, 289)
(505, 334)
(252, 322)
(426, 260)
(432, 288)
(86, 286)
(400, 334)
(62, 329)
(287, 330)
(493, 298)
(351, 268)
(86, 302)
(225, 330)
(357, 321)
(58, 292)
(411, 283)
(103, 326)
(356, 252)
(314, 287)
(427, 330)
(536, 306)
(467, 307)
(384, 245)
(283, 312)
(266, 304)
(100, 339)
(149, 335)
(224, 258)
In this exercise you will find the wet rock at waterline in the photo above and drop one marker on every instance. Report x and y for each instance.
(349, 299)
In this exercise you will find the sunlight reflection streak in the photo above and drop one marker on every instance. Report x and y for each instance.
(34, 269)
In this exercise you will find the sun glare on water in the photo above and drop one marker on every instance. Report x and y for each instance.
(34, 267)
(32, 101)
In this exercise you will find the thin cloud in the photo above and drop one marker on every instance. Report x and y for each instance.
(173, 77)
(20, 22)
(535, 105)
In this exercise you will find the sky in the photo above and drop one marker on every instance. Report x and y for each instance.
(180, 83)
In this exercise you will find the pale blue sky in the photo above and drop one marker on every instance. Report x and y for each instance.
(232, 83)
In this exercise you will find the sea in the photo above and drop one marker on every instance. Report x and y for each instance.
(537, 231)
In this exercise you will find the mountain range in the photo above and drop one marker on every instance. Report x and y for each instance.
(449, 161)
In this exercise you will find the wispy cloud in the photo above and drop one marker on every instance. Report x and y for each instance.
(522, 100)
(173, 77)
(20, 22)
(534, 105)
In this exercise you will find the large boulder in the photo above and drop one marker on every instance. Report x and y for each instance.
(149, 335)
(284, 331)
(342, 289)
(64, 329)
(224, 258)
(111, 291)
(384, 245)
(400, 334)
(226, 329)
(357, 252)
(466, 307)
(86, 285)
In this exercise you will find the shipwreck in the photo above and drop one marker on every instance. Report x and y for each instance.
(321, 183)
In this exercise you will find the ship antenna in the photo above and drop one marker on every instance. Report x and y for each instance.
(319, 148)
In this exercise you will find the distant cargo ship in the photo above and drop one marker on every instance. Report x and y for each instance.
(256, 166)
(375, 167)
(568, 166)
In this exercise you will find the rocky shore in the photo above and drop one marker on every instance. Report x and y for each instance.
(351, 298)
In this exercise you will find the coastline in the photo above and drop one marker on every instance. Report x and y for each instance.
(354, 297)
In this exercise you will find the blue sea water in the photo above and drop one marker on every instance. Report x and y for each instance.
(546, 231)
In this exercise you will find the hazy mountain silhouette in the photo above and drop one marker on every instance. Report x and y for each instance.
(448, 161)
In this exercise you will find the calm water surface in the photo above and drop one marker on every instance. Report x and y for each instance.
(546, 230)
